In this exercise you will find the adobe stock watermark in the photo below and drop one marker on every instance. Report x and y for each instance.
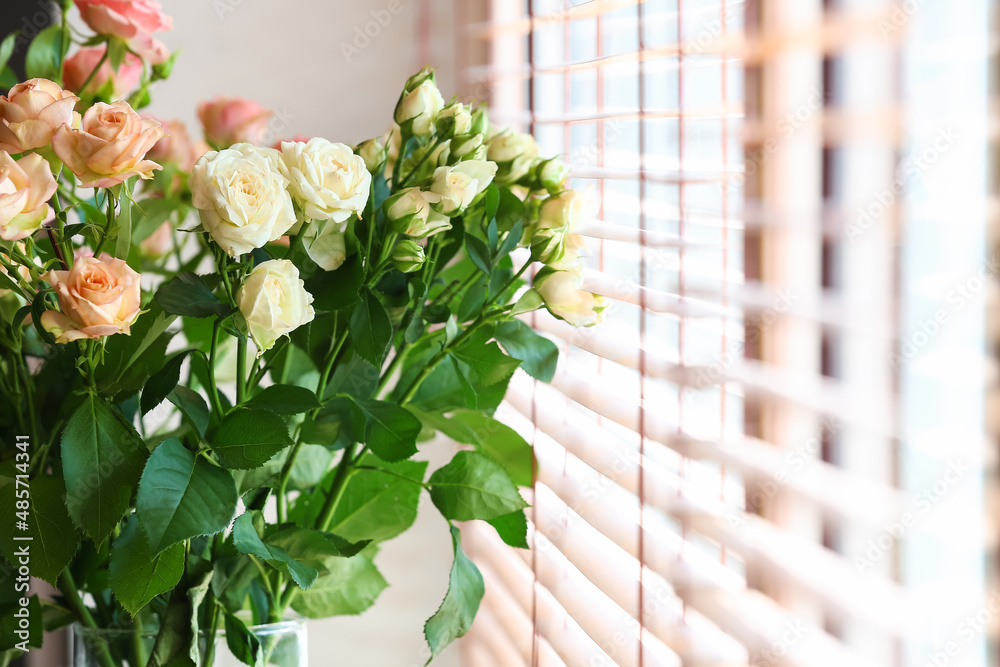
(712, 374)
(794, 463)
(912, 169)
(899, 15)
(965, 632)
(775, 654)
(363, 35)
(961, 295)
(923, 502)
(787, 126)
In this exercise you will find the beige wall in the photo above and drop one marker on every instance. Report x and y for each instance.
(313, 61)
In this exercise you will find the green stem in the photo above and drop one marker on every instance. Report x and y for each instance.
(337, 488)
(295, 243)
(93, 72)
(213, 387)
(429, 368)
(110, 221)
(419, 164)
(241, 369)
(213, 629)
(510, 282)
(83, 615)
(324, 377)
(387, 375)
(138, 650)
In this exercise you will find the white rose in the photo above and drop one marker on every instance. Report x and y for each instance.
(242, 196)
(514, 153)
(410, 213)
(274, 302)
(422, 106)
(567, 210)
(560, 290)
(459, 185)
(328, 181)
(453, 120)
(468, 147)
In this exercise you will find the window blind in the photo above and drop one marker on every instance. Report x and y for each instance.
(732, 470)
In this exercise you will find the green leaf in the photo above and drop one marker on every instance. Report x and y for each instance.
(188, 294)
(192, 405)
(247, 438)
(351, 586)
(182, 495)
(242, 642)
(492, 437)
(102, 460)
(149, 214)
(247, 541)
(136, 574)
(161, 383)
(9, 624)
(538, 354)
(336, 290)
(177, 641)
(313, 547)
(478, 253)
(473, 486)
(511, 211)
(488, 362)
(511, 240)
(116, 53)
(458, 610)
(53, 537)
(142, 348)
(391, 431)
(285, 399)
(42, 61)
(375, 506)
(492, 200)
(7, 48)
(371, 329)
(512, 528)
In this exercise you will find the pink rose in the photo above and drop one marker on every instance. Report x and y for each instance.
(176, 146)
(233, 120)
(160, 242)
(135, 21)
(98, 297)
(32, 112)
(110, 145)
(25, 189)
(79, 66)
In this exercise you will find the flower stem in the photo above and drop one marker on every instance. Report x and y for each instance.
(241, 369)
(83, 615)
(93, 72)
(213, 387)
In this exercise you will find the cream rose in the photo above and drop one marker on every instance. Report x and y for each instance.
(242, 195)
(25, 189)
(31, 113)
(558, 218)
(110, 145)
(410, 213)
(98, 296)
(419, 104)
(274, 302)
(514, 153)
(459, 185)
(560, 290)
(327, 180)
(455, 119)
(324, 244)
(373, 152)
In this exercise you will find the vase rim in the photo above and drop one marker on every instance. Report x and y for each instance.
(262, 630)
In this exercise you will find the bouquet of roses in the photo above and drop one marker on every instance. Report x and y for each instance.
(218, 361)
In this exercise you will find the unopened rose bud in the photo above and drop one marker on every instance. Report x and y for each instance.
(468, 147)
(373, 152)
(514, 153)
(419, 104)
(408, 256)
(454, 120)
(551, 174)
(410, 213)
(480, 121)
(560, 290)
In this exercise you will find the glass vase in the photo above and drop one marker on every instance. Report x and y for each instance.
(282, 645)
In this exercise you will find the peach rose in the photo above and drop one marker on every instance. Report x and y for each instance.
(176, 146)
(25, 189)
(135, 21)
(160, 242)
(79, 66)
(110, 145)
(31, 113)
(233, 120)
(99, 296)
